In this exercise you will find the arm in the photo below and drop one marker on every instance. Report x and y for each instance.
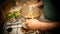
(37, 25)
(47, 25)
(40, 3)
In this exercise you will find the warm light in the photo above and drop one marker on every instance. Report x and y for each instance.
(16, 2)
(30, 9)
(31, 16)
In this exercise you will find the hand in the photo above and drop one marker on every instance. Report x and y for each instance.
(34, 5)
(35, 24)
(38, 4)
(32, 24)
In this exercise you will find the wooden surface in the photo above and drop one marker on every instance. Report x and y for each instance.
(5, 9)
(1, 19)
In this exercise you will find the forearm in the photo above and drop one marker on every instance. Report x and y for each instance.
(47, 26)
(39, 4)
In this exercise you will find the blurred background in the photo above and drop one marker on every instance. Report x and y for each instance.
(6, 23)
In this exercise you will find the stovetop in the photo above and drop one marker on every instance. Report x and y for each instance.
(16, 28)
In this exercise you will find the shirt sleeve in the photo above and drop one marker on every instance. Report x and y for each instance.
(43, 19)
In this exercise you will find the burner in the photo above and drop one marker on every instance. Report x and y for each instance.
(9, 29)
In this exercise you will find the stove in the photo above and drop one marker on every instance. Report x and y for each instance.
(18, 27)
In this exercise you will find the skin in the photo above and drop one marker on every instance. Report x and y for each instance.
(35, 24)
(38, 4)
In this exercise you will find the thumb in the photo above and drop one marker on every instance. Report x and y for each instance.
(27, 21)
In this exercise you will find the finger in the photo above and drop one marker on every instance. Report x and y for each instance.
(26, 23)
(26, 19)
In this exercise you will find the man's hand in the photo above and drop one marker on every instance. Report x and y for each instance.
(35, 24)
(32, 24)
(38, 4)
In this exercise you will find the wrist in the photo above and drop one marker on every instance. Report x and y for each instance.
(39, 26)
